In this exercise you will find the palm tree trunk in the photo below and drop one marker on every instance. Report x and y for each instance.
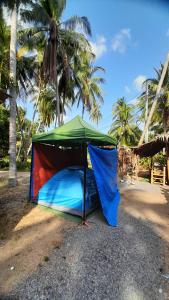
(23, 144)
(57, 102)
(12, 122)
(165, 117)
(155, 101)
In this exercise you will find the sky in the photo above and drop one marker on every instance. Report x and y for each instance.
(129, 38)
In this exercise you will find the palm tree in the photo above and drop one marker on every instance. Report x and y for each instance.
(4, 53)
(123, 127)
(60, 38)
(14, 7)
(160, 119)
(89, 92)
(158, 90)
(95, 113)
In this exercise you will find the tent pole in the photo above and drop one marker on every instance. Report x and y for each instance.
(31, 175)
(84, 181)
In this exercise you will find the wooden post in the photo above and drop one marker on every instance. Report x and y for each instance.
(151, 176)
(164, 175)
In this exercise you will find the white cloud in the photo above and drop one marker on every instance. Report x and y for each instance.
(99, 47)
(167, 32)
(138, 82)
(127, 89)
(120, 40)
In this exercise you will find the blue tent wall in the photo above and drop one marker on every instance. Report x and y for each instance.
(104, 163)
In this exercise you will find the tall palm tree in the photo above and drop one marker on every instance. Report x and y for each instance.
(123, 127)
(89, 92)
(153, 107)
(14, 7)
(160, 119)
(95, 113)
(46, 16)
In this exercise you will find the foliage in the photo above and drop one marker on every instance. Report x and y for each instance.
(4, 130)
(65, 58)
(21, 165)
(160, 119)
(123, 127)
(4, 163)
(61, 67)
(159, 158)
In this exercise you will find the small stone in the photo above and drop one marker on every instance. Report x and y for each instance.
(46, 258)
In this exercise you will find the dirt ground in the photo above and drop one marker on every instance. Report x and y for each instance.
(28, 233)
(149, 202)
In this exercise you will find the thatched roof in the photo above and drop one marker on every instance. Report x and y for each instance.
(153, 147)
(163, 137)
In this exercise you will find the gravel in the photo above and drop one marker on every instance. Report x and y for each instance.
(100, 262)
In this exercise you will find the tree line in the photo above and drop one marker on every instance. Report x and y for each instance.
(129, 118)
(49, 59)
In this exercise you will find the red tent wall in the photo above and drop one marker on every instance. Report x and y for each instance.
(47, 160)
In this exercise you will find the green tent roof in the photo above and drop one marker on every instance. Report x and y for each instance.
(76, 131)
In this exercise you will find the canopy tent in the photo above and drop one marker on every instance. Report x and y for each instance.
(75, 132)
(60, 149)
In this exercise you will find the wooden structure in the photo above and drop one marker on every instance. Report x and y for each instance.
(158, 175)
(127, 163)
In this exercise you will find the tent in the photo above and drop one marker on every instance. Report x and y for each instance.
(59, 167)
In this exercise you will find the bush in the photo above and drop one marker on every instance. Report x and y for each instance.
(21, 166)
(159, 158)
(4, 163)
(145, 162)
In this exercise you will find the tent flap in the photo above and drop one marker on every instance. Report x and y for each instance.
(104, 163)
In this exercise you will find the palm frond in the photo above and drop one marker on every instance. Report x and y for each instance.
(76, 22)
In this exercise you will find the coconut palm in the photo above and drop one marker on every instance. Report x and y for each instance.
(123, 127)
(4, 52)
(60, 37)
(14, 7)
(160, 119)
(89, 92)
(95, 113)
(157, 95)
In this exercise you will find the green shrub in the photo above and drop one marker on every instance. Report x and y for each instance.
(159, 158)
(21, 166)
(4, 163)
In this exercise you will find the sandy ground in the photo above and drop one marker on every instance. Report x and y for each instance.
(28, 233)
(148, 202)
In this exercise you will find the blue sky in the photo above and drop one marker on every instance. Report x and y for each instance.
(129, 38)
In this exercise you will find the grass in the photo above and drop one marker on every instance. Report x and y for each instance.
(64, 215)
(60, 213)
